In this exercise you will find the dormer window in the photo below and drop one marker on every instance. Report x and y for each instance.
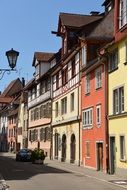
(123, 13)
(37, 70)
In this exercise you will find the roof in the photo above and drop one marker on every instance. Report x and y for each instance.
(29, 84)
(77, 20)
(14, 87)
(97, 31)
(42, 56)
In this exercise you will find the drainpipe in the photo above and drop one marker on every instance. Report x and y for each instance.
(106, 112)
(79, 126)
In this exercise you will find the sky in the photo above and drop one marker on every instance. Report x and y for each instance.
(26, 25)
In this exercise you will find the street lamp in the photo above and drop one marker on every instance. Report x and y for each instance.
(12, 56)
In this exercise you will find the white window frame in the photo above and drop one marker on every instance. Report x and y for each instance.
(72, 102)
(87, 117)
(84, 55)
(98, 117)
(98, 78)
(122, 13)
(87, 84)
(64, 106)
(118, 100)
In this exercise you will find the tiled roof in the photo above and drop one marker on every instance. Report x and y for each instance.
(14, 87)
(77, 20)
(97, 30)
(5, 92)
(42, 56)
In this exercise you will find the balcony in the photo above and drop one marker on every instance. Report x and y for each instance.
(39, 99)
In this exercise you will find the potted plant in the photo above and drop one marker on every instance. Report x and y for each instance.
(38, 156)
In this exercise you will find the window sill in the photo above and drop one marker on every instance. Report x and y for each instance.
(87, 127)
(87, 93)
(113, 70)
(98, 125)
(98, 88)
(87, 157)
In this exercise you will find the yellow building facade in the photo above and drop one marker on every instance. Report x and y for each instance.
(117, 107)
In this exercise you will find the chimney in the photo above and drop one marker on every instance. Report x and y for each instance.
(23, 81)
(94, 13)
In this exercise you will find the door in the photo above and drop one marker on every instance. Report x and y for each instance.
(63, 148)
(112, 155)
(56, 145)
(100, 156)
(72, 146)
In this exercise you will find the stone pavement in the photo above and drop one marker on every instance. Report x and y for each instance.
(90, 173)
(81, 171)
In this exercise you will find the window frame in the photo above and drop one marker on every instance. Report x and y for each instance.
(118, 100)
(87, 118)
(64, 106)
(98, 78)
(98, 118)
(87, 84)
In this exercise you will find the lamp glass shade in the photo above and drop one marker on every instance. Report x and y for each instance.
(12, 56)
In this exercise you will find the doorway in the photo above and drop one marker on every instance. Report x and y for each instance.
(63, 148)
(112, 155)
(72, 148)
(100, 156)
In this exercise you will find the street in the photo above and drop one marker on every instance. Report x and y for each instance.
(28, 176)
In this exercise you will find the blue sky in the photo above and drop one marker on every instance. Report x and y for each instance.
(26, 25)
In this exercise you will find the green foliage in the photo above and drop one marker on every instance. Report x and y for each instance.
(37, 154)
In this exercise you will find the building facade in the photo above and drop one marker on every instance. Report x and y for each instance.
(39, 104)
(94, 93)
(117, 108)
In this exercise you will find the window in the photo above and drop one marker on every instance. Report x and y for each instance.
(72, 101)
(123, 13)
(56, 109)
(98, 114)
(42, 87)
(32, 115)
(42, 134)
(84, 55)
(64, 106)
(47, 133)
(98, 78)
(57, 81)
(87, 84)
(48, 110)
(73, 68)
(87, 117)
(122, 147)
(118, 100)
(47, 84)
(65, 76)
(87, 149)
(37, 70)
(113, 60)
